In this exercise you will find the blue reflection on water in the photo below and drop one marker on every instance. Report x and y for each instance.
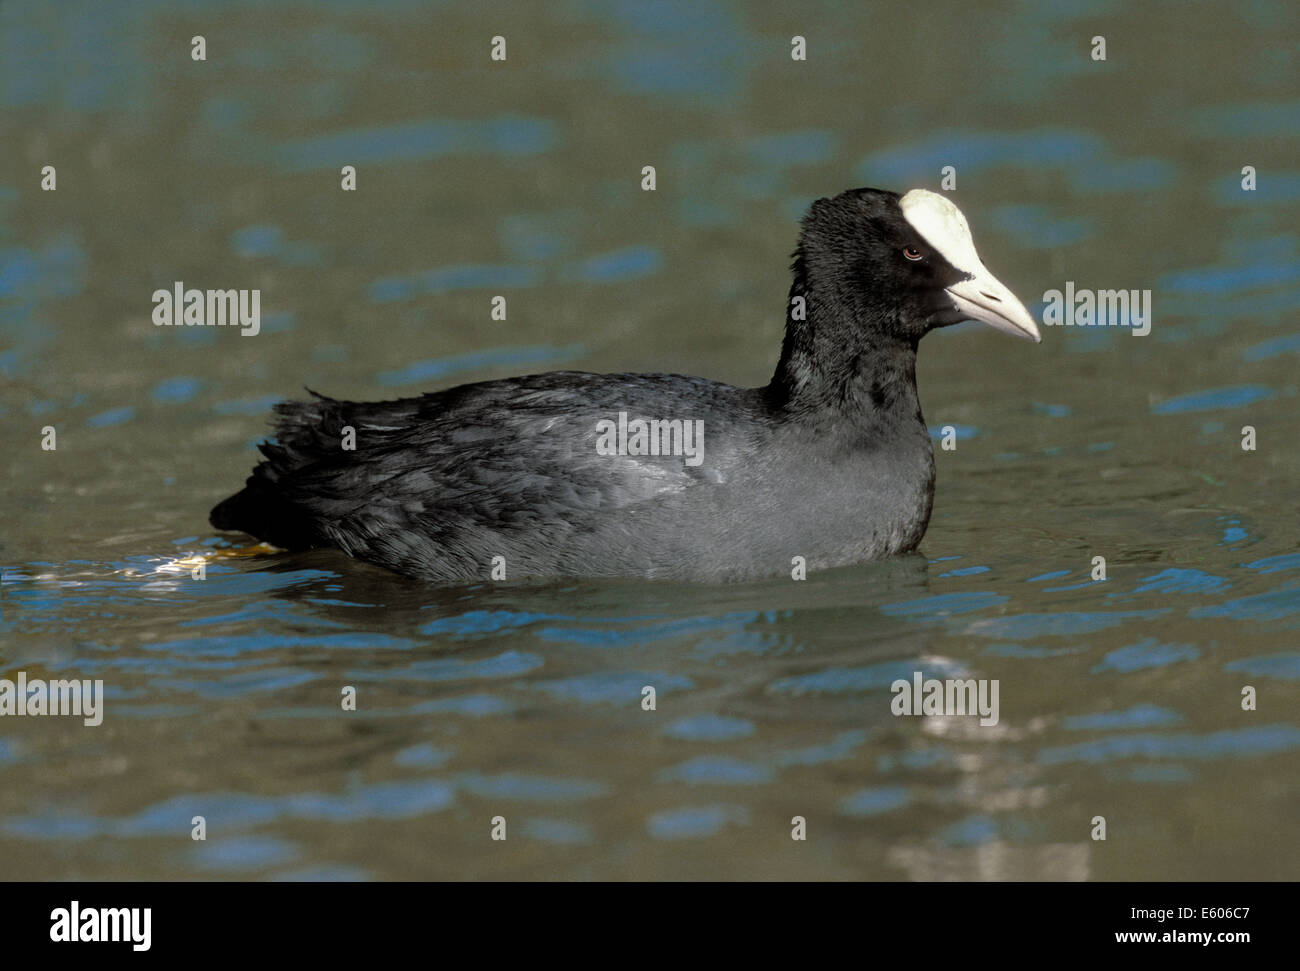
(1147, 653)
(1263, 740)
(1233, 397)
(695, 821)
(710, 728)
(871, 802)
(508, 135)
(1139, 716)
(1283, 666)
(629, 263)
(717, 770)
(1264, 350)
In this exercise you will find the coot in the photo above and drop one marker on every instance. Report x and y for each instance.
(659, 475)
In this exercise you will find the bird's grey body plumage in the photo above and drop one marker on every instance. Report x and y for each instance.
(437, 486)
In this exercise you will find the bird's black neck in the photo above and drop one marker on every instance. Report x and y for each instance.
(838, 360)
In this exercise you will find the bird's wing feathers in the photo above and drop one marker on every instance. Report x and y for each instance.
(457, 454)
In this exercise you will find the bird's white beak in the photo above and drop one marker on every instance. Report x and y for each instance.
(984, 298)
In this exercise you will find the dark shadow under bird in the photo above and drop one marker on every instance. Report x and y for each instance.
(830, 461)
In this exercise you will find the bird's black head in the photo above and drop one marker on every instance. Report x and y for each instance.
(901, 265)
(873, 274)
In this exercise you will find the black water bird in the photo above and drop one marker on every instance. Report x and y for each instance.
(830, 461)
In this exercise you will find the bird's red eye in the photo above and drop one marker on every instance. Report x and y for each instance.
(911, 252)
